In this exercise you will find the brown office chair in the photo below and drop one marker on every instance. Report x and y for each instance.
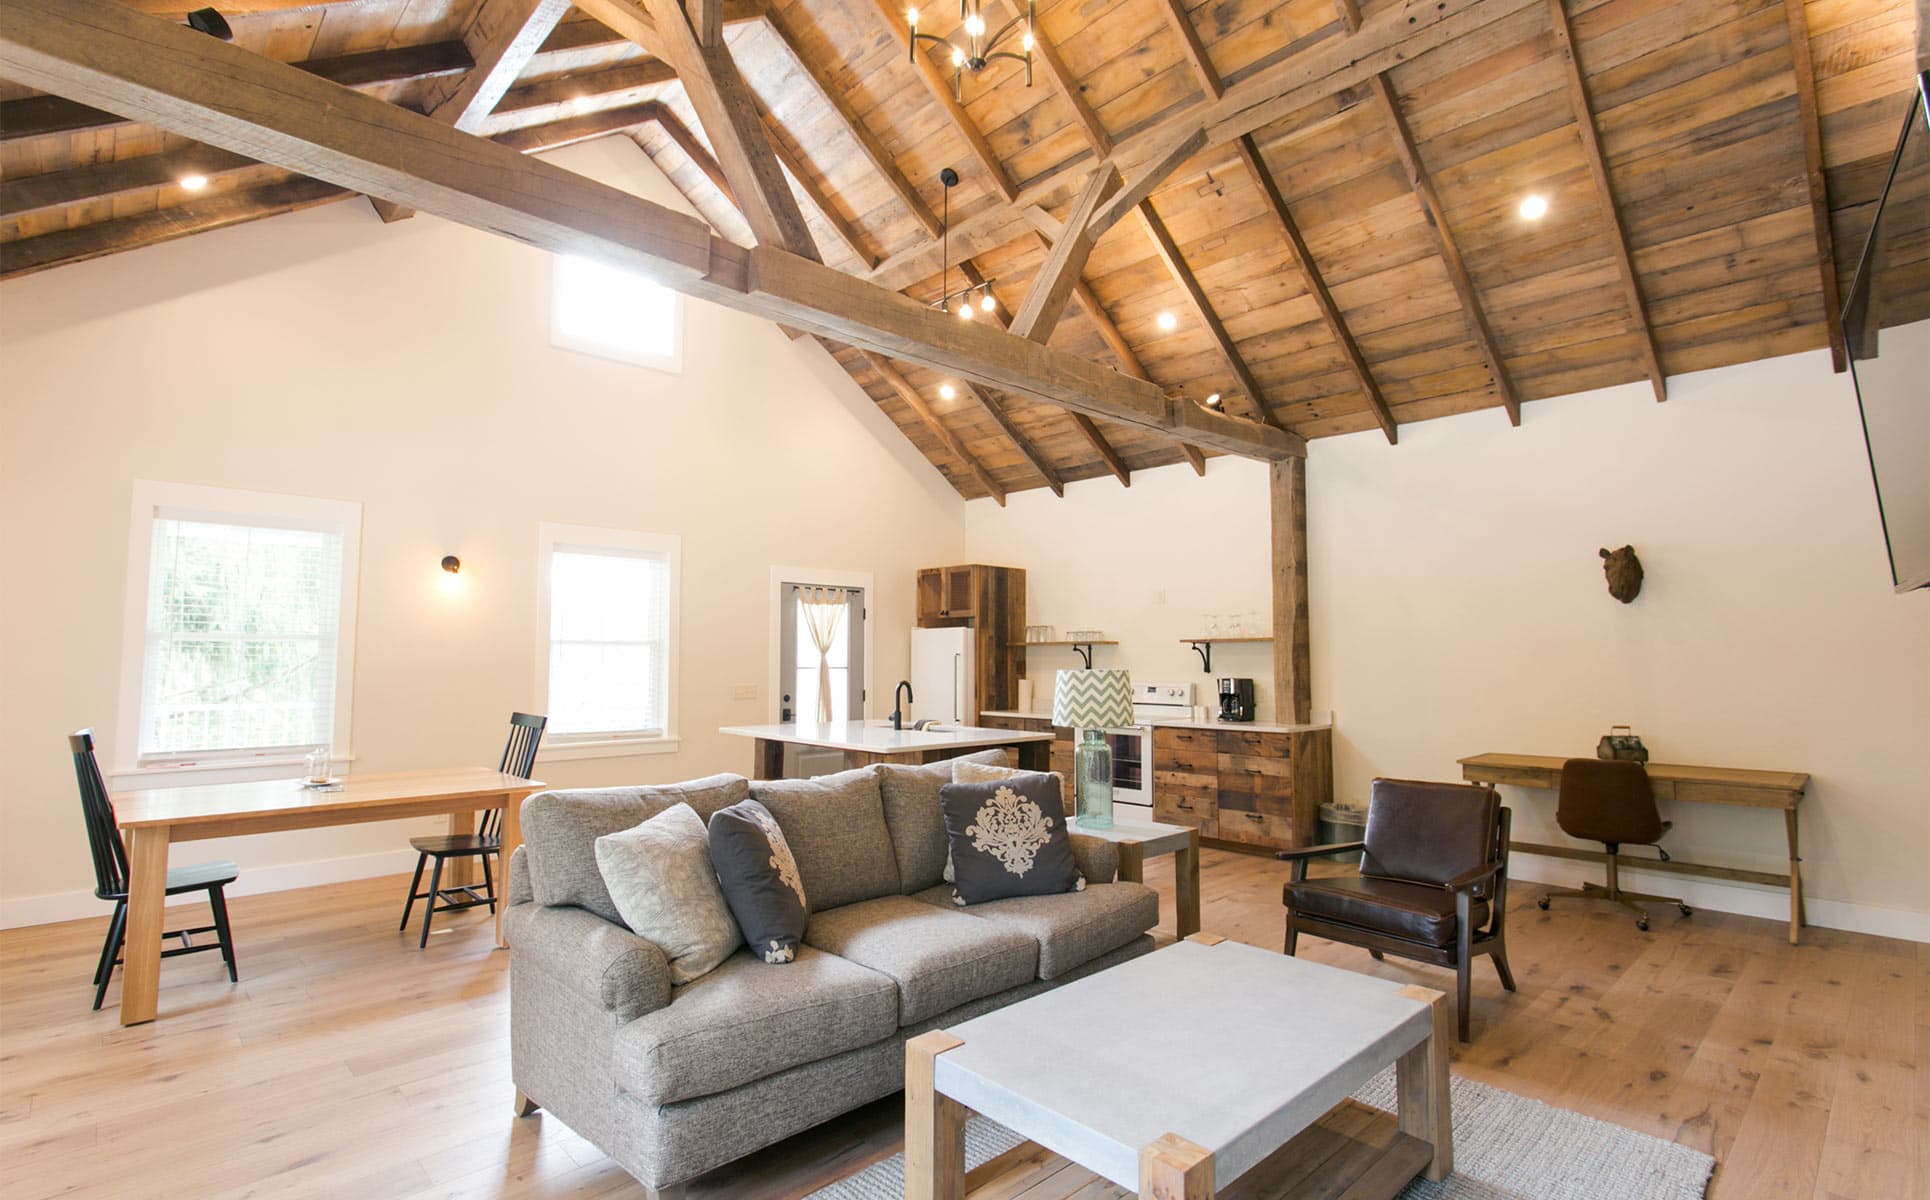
(1433, 882)
(1610, 801)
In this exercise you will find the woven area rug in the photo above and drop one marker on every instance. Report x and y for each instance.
(1506, 1147)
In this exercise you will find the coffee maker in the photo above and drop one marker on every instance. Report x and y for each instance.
(1236, 699)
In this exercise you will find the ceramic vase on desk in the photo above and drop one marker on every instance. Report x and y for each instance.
(1092, 702)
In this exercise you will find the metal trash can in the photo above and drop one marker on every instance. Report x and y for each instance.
(1339, 823)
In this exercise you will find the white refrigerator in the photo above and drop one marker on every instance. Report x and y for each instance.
(941, 676)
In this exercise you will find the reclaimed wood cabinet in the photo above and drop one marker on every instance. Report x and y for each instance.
(1242, 786)
(991, 602)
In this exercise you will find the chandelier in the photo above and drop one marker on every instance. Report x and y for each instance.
(978, 50)
(961, 300)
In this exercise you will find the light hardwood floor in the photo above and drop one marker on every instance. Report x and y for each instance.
(348, 1064)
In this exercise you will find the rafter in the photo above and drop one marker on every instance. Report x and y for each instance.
(800, 175)
(534, 139)
(611, 87)
(694, 150)
(994, 404)
(103, 54)
(1457, 270)
(946, 438)
(99, 181)
(1181, 23)
(874, 150)
(1169, 254)
(1317, 286)
(728, 112)
(941, 91)
(1051, 288)
(502, 36)
(1795, 14)
(1638, 312)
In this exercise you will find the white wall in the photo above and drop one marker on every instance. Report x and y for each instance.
(408, 367)
(1458, 606)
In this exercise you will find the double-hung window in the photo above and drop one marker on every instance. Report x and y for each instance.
(606, 655)
(240, 629)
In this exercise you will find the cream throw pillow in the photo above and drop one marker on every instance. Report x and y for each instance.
(972, 772)
(660, 878)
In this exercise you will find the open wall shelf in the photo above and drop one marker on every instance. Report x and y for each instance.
(1203, 646)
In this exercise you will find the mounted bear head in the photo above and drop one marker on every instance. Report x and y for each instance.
(1624, 572)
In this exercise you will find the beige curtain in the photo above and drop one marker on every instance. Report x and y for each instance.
(823, 613)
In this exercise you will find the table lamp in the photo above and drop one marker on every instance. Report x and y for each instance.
(1091, 702)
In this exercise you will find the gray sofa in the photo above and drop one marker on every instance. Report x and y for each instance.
(673, 1082)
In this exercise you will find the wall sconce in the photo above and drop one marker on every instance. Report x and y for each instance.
(451, 563)
(451, 581)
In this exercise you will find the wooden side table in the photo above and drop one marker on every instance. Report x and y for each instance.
(1137, 840)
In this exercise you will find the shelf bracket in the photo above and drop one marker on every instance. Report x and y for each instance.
(1084, 650)
(1205, 651)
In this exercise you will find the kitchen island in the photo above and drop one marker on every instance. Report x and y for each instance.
(864, 743)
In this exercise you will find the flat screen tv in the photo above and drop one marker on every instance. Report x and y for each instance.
(1886, 325)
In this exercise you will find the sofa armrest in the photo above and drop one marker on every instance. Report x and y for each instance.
(519, 890)
(1096, 858)
(604, 965)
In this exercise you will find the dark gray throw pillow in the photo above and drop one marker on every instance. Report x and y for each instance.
(760, 879)
(1008, 838)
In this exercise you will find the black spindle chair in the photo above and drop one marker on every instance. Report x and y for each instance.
(519, 758)
(110, 876)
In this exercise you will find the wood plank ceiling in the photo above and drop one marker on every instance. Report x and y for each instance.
(1358, 262)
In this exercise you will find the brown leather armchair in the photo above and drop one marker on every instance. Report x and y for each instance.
(1433, 882)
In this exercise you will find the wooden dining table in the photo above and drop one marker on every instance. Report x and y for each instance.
(154, 819)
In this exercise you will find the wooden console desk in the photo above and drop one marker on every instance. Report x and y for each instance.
(1697, 785)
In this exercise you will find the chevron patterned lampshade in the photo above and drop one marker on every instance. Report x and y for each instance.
(1101, 699)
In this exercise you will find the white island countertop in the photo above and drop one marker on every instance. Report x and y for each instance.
(883, 739)
(1179, 723)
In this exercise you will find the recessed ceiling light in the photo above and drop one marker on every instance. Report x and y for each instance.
(194, 183)
(1534, 206)
(1213, 401)
(946, 391)
(1167, 322)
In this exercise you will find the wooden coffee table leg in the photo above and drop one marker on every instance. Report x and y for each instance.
(1421, 1084)
(1186, 885)
(934, 1124)
(1132, 862)
(1173, 1168)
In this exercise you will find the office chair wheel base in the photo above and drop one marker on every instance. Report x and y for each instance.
(1686, 910)
(1642, 923)
(1542, 904)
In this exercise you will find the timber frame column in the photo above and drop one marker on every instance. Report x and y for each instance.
(1292, 637)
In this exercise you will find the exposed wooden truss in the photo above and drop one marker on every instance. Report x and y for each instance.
(916, 402)
(109, 56)
(1638, 309)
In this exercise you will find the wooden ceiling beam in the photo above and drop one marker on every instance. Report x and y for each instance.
(1045, 301)
(694, 150)
(116, 177)
(108, 56)
(611, 87)
(1795, 14)
(946, 438)
(994, 403)
(874, 150)
(941, 91)
(552, 135)
(1169, 254)
(27, 255)
(1457, 270)
(707, 21)
(1638, 312)
(800, 175)
(38, 116)
(728, 112)
(1181, 23)
(1317, 285)
(502, 36)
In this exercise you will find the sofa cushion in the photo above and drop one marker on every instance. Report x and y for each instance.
(560, 829)
(938, 959)
(1008, 838)
(660, 878)
(759, 877)
(836, 827)
(1072, 929)
(1414, 911)
(744, 1021)
(913, 817)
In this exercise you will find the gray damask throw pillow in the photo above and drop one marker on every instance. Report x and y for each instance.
(660, 877)
(1008, 838)
(760, 879)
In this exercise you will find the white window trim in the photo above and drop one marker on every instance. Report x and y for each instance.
(561, 746)
(267, 508)
(670, 364)
(780, 576)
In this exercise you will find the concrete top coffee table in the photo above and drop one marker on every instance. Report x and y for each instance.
(1206, 1068)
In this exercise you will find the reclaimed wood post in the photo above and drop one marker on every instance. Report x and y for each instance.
(1292, 639)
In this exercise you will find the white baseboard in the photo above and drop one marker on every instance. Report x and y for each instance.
(1739, 898)
(71, 906)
